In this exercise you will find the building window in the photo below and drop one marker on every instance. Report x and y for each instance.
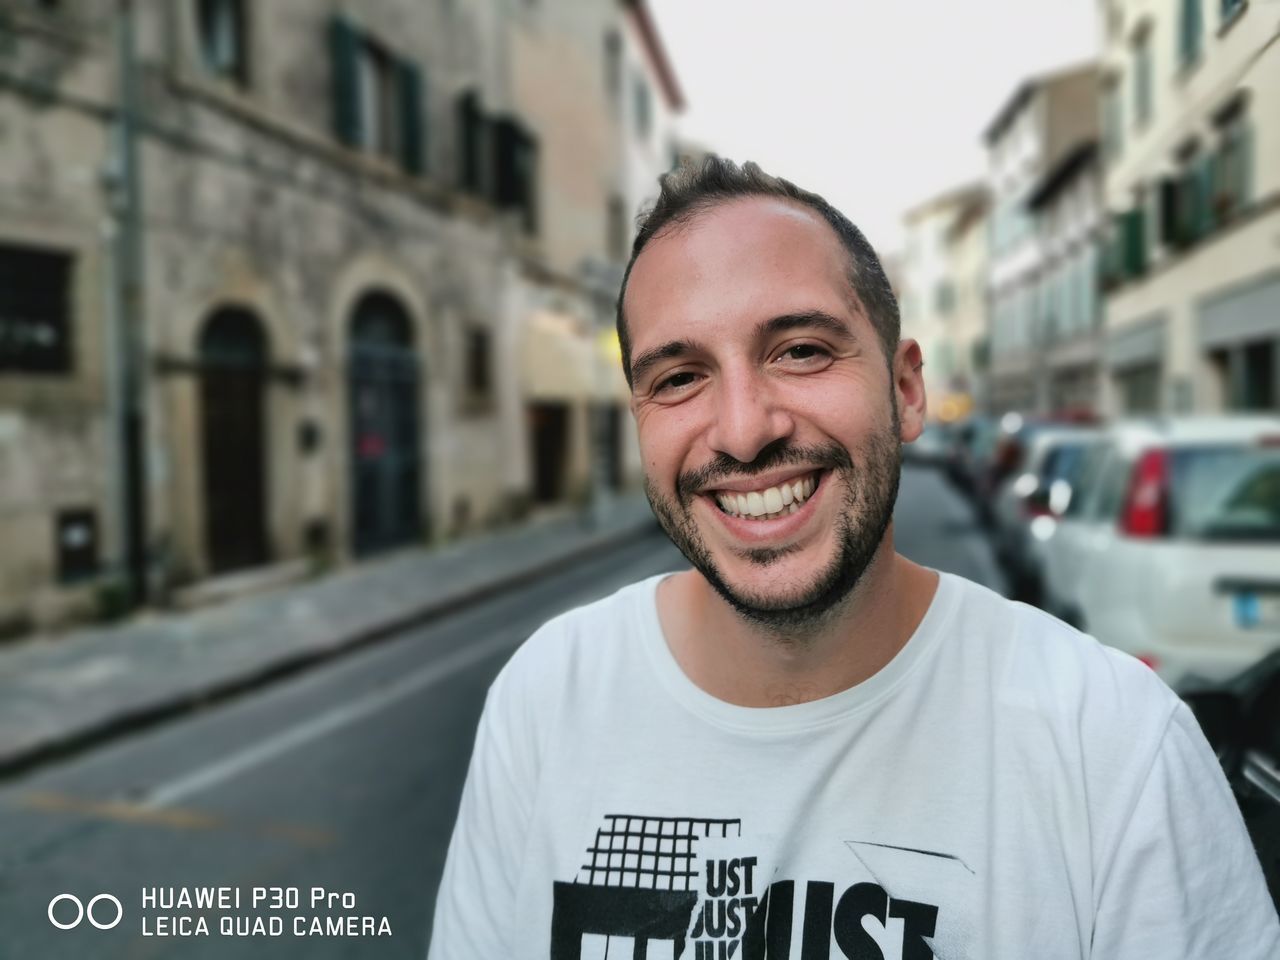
(515, 157)
(643, 108)
(379, 132)
(613, 65)
(479, 370)
(616, 229)
(223, 39)
(1139, 390)
(1249, 375)
(1125, 253)
(472, 144)
(35, 311)
(1190, 32)
(1134, 239)
(1142, 86)
(1258, 392)
(1232, 187)
(1112, 141)
(1212, 186)
(378, 98)
(1089, 284)
(944, 298)
(76, 544)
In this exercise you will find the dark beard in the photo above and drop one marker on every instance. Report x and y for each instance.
(870, 492)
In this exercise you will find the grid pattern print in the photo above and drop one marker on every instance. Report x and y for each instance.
(653, 853)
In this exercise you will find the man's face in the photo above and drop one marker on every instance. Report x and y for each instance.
(765, 407)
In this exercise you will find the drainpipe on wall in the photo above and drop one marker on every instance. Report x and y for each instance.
(124, 187)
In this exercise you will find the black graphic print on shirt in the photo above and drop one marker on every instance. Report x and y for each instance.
(669, 887)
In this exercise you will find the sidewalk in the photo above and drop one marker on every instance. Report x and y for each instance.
(62, 694)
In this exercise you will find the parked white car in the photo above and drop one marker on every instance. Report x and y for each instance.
(1170, 546)
(1028, 504)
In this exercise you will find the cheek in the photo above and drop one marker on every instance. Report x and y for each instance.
(665, 436)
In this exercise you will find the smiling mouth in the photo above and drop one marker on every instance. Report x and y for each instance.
(769, 503)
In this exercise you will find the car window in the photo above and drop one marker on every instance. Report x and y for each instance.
(1112, 485)
(1225, 493)
(1084, 488)
(1063, 462)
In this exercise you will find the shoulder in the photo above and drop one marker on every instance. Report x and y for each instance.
(1092, 722)
(1038, 664)
(573, 650)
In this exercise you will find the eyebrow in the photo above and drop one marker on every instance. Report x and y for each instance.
(808, 319)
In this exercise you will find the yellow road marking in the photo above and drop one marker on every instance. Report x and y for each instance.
(176, 818)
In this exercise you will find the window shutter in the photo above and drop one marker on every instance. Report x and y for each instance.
(410, 85)
(1244, 165)
(1209, 192)
(1169, 233)
(506, 155)
(344, 46)
(1092, 285)
(1135, 253)
(469, 143)
(1110, 263)
(1190, 32)
(529, 178)
(1189, 195)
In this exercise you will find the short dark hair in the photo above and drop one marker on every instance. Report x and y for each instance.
(696, 187)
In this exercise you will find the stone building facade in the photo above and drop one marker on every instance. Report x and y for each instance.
(1044, 119)
(930, 299)
(348, 216)
(1068, 213)
(1191, 159)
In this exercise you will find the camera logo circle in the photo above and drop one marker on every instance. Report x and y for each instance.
(83, 911)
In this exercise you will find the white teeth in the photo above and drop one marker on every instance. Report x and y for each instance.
(773, 500)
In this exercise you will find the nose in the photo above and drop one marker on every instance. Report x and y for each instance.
(748, 416)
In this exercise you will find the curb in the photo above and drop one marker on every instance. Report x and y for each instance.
(67, 743)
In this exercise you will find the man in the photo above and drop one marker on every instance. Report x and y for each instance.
(808, 746)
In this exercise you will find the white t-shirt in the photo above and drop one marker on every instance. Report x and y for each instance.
(1004, 787)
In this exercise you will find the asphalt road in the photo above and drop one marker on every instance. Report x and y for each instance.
(345, 779)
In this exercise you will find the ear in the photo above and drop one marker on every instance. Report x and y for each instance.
(908, 385)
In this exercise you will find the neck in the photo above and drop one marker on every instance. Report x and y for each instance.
(748, 664)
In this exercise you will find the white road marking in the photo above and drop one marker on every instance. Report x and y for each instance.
(240, 762)
(354, 711)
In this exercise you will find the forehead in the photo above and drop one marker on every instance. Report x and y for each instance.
(734, 265)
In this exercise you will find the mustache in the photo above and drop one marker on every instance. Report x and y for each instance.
(777, 454)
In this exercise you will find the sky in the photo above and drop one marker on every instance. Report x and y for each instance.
(875, 105)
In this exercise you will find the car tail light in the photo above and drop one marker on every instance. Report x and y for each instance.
(1033, 507)
(1146, 506)
(1150, 659)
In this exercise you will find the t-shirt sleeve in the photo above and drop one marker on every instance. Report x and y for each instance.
(476, 902)
(1185, 880)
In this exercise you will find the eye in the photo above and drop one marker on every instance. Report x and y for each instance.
(674, 382)
(808, 354)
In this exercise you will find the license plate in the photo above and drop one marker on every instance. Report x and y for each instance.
(1257, 609)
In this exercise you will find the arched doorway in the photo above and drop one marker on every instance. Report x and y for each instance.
(233, 367)
(383, 381)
